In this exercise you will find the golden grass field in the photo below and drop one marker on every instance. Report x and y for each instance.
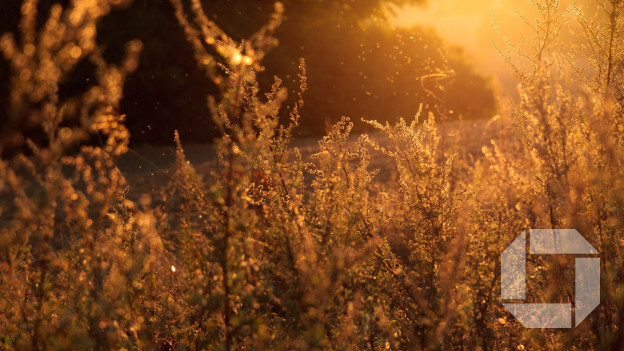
(262, 240)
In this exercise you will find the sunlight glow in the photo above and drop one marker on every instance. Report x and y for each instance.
(471, 25)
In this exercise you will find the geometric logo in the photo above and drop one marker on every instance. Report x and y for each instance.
(586, 283)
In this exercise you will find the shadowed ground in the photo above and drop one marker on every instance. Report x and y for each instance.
(147, 168)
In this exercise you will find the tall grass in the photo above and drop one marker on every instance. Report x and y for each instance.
(268, 251)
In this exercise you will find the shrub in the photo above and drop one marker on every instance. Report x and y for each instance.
(271, 250)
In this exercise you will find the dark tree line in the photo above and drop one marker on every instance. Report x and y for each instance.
(357, 65)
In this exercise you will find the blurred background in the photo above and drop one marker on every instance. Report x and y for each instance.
(371, 59)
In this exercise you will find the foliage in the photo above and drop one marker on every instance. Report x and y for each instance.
(268, 251)
(328, 34)
(69, 246)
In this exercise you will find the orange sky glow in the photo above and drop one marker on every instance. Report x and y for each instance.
(470, 24)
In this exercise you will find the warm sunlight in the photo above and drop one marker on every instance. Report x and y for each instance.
(473, 25)
(311, 175)
(467, 24)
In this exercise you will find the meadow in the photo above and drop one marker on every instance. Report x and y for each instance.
(389, 239)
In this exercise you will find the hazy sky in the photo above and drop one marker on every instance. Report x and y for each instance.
(469, 24)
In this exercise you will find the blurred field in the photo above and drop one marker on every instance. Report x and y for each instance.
(148, 167)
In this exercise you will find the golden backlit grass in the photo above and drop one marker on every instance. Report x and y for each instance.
(267, 250)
